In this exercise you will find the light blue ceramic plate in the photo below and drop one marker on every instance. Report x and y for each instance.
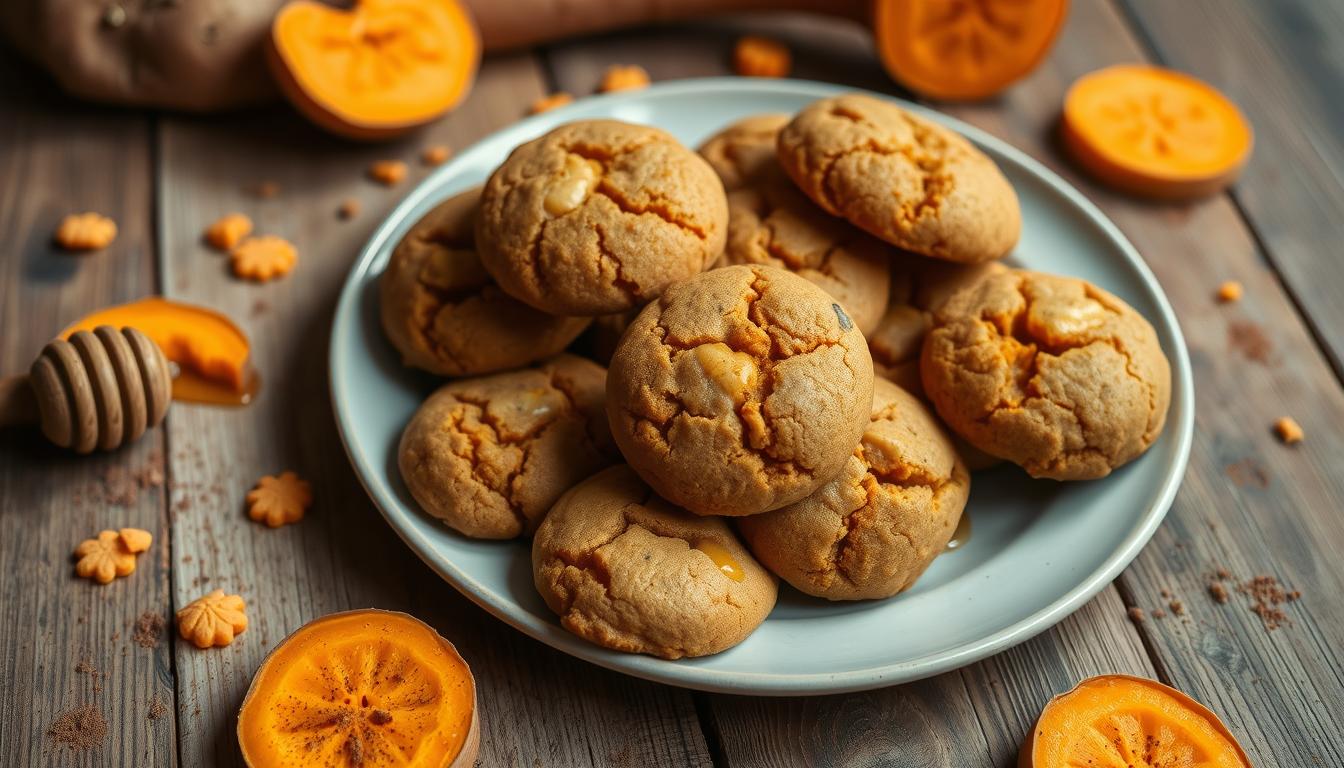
(1038, 551)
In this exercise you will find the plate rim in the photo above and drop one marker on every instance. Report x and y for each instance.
(677, 673)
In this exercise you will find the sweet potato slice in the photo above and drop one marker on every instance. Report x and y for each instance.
(1118, 721)
(378, 69)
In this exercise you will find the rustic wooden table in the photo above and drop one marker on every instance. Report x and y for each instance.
(1248, 504)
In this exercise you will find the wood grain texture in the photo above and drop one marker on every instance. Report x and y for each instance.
(1279, 61)
(538, 706)
(66, 642)
(975, 716)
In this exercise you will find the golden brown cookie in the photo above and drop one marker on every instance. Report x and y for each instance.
(599, 216)
(901, 177)
(744, 151)
(918, 286)
(1051, 373)
(740, 390)
(490, 455)
(627, 570)
(444, 313)
(874, 528)
(771, 222)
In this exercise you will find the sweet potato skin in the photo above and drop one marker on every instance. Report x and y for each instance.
(198, 56)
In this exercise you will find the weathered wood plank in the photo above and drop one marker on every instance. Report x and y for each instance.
(343, 555)
(1279, 62)
(1248, 504)
(66, 642)
(976, 716)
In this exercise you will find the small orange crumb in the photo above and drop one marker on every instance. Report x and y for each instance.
(86, 232)
(1229, 291)
(228, 231)
(135, 540)
(266, 190)
(547, 103)
(761, 57)
(349, 209)
(279, 500)
(104, 558)
(436, 155)
(263, 258)
(212, 620)
(389, 173)
(1288, 430)
(620, 78)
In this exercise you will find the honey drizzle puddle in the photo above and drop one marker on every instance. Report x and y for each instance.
(191, 387)
(723, 559)
(961, 535)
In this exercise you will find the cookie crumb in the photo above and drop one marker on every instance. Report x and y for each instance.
(1176, 607)
(1158, 613)
(80, 728)
(623, 78)
(86, 232)
(1218, 592)
(1267, 596)
(553, 101)
(1288, 430)
(389, 173)
(1229, 292)
(148, 629)
(227, 231)
(349, 209)
(761, 57)
(435, 155)
(1136, 614)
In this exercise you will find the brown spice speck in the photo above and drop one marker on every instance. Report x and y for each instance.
(1158, 613)
(380, 717)
(157, 709)
(1250, 340)
(349, 209)
(148, 629)
(1267, 596)
(80, 728)
(1136, 615)
(1176, 607)
(1218, 592)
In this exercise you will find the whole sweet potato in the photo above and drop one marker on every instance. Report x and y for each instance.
(197, 55)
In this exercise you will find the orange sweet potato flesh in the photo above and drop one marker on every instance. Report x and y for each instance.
(964, 51)
(1154, 132)
(197, 339)
(377, 70)
(1118, 721)
(364, 688)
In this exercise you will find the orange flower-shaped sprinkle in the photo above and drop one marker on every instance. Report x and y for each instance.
(547, 103)
(263, 258)
(436, 155)
(212, 620)
(135, 540)
(104, 558)
(761, 57)
(86, 232)
(388, 172)
(279, 500)
(619, 78)
(226, 232)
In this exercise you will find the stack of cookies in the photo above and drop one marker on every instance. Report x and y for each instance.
(810, 344)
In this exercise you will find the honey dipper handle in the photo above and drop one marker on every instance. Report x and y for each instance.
(17, 405)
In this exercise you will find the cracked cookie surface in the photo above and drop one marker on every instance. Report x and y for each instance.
(1051, 373)
(918, 287)
(740, 390)
(744, 152)
(771, 222)
(902, 178)
(871, 531)
(444, 313)
(627, 570)
(599, 216)
(490, 455)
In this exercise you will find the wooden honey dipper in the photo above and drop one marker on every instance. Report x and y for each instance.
(100, 389)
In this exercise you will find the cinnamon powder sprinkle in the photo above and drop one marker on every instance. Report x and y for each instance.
(1267, 598)
(148, 629)
(79, 729)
